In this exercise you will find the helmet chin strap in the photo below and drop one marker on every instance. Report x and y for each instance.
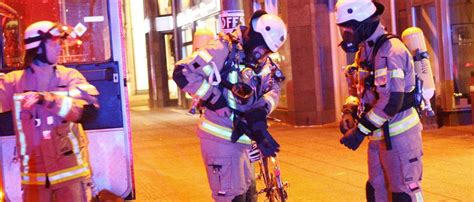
(43, 57)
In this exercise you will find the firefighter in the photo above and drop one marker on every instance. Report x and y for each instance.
(381, 103)
(49, 102)
(238, 85)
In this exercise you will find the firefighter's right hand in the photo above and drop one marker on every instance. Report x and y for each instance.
(265, 142)
(29, 100)
(347, 122)
(257, 121)
(352, 138)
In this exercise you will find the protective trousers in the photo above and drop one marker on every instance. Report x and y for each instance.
(395, 173)
(229, 171)
(78, 191)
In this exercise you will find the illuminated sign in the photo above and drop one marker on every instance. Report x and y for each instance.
(230, 19)
(197, 12)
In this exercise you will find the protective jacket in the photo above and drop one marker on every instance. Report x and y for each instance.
(51, 143)
(381, 89)
(225, 55)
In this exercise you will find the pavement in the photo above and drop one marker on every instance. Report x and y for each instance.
(168, 164)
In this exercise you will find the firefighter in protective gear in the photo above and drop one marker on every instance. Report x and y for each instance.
(49, 102)
(380, 106)
(234, 79)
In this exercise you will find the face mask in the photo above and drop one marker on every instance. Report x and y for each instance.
(350, 40)
(256, 57)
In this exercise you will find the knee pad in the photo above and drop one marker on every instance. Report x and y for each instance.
(369, 192)
(400, 197)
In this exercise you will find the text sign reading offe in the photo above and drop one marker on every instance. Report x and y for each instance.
(230, 19)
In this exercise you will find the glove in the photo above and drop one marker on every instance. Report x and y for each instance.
(352, 138)
(29, 100)
(254, 154)
(347, 122)
(257, 122)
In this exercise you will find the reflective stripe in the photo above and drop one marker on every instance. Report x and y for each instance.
(68, 174)
(363, 128)
(220, 131)
(205, 55)
(372, 116)
(398, 73)
(66, 106)
(231, 100)
(419, 197)
(75, 145)
(232, 78)
(203, 89)
(56, 177)
(33, 178)
(62, 93)
(21, 134)
(207, 70)
(399, 126)
(381, 72)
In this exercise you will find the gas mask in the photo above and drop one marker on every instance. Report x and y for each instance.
(256, 57)
(353, 33)
(350, 39)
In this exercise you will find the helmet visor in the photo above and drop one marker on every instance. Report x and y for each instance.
(65, 34)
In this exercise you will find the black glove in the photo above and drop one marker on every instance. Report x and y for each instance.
(352, 138)
(257, 122)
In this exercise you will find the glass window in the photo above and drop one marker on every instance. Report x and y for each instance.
(164, 7)
(89, 19)
(462, 38)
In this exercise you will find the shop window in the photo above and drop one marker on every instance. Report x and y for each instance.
(425, 19)
(164, 7)
(461, 16)
(187, 39)
(89, 19)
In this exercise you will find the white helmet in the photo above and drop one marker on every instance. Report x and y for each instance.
(358, 10)
(273, 30)
(42, 30)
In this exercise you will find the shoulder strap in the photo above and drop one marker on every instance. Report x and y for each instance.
(378, 44)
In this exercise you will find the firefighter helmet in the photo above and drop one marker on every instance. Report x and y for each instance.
(273, 30)
(358, 10)
(40, 31)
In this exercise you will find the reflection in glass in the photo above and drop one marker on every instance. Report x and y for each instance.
(461, 16)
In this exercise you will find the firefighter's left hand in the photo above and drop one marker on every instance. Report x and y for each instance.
(29, 100)
(353, 138)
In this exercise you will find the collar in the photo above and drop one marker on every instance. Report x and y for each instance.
(33, 71)
(370, 42)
